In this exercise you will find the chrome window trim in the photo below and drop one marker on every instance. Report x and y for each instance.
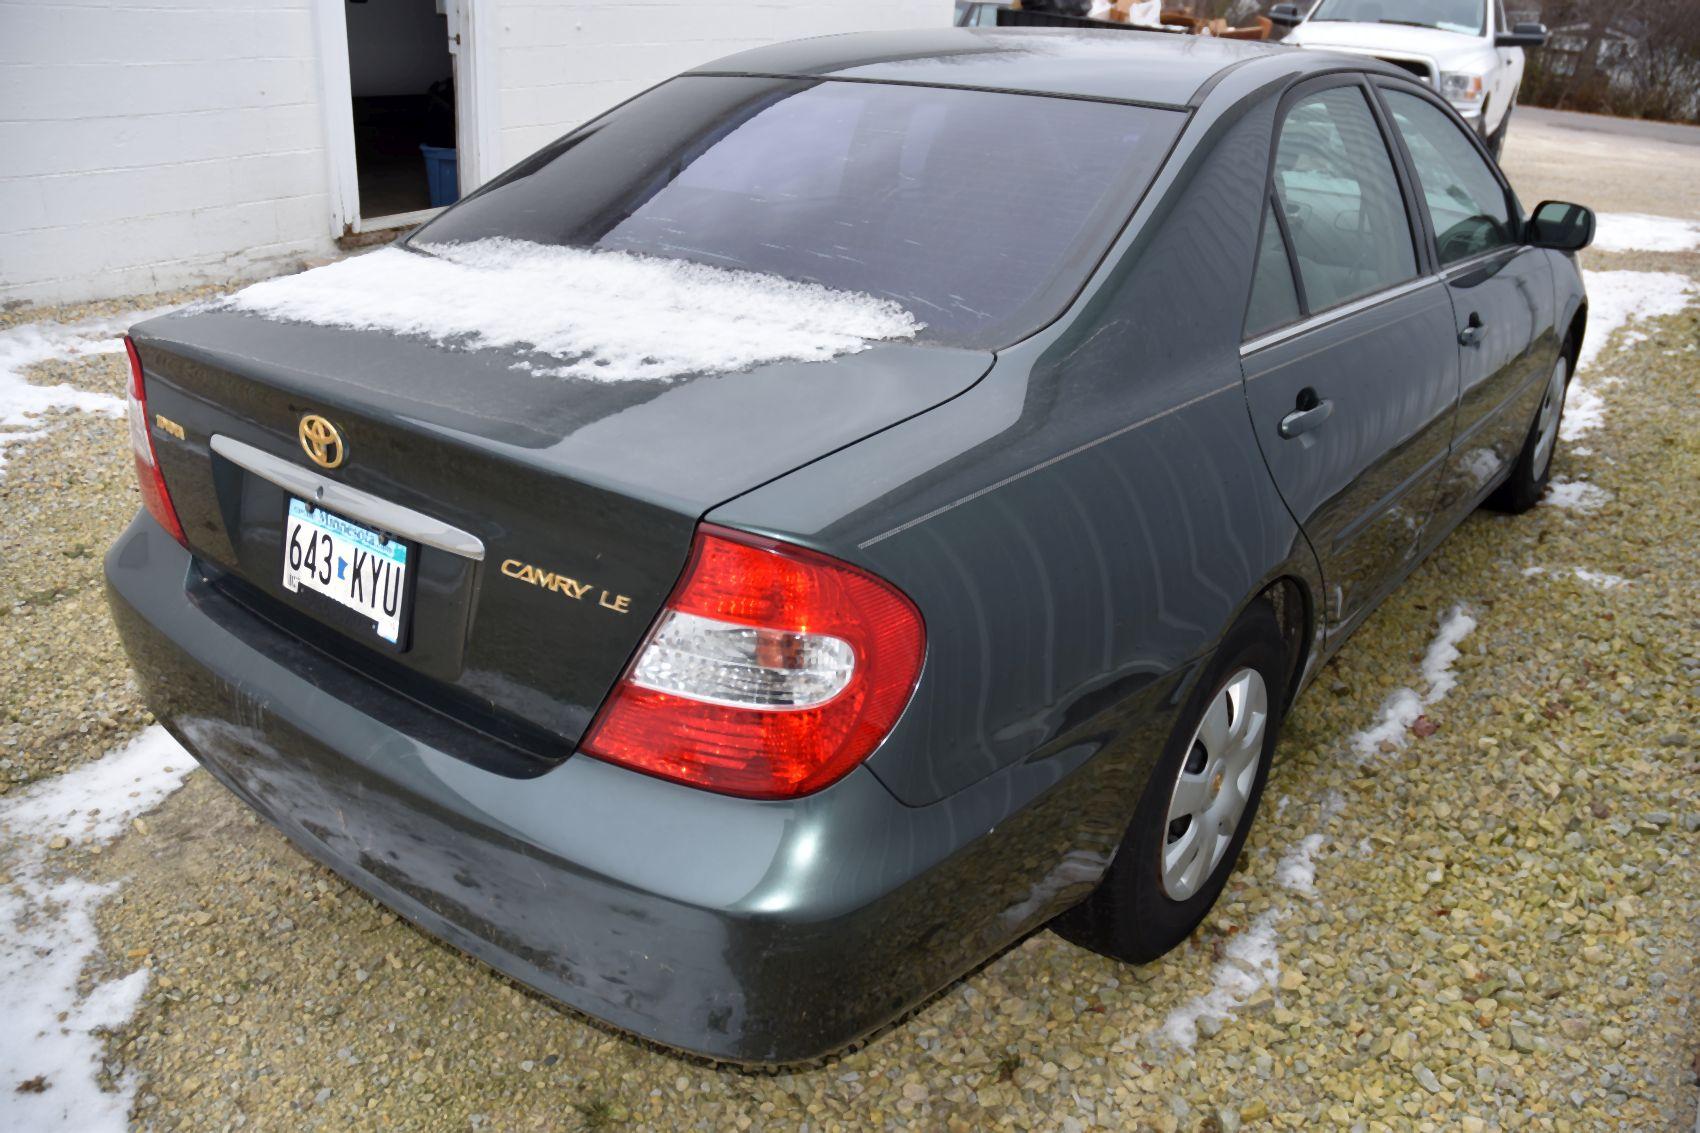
(1333, 314)
(1468, 262)
(350, 502)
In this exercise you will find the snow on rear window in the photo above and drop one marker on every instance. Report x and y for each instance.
(981, 213)
(604, 316)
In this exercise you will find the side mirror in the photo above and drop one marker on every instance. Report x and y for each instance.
(1522, 35)
(1287, 15)
(1561, 225)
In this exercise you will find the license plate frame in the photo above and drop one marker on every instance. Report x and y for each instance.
(348, 536)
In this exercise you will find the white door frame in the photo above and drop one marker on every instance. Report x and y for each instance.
(476, 105)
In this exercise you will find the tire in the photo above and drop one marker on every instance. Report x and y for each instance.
(1527, 483)
(1496, 140)
(1138, 912)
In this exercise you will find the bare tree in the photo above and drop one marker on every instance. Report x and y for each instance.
(1639, 58)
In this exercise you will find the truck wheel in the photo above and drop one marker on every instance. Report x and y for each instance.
(1198, 805)
(1496, 141)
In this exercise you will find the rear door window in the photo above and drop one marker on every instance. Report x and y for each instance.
(981, 213)
(1466, 203)
(1334, 181)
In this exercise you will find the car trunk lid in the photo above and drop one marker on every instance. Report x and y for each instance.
(583, 494)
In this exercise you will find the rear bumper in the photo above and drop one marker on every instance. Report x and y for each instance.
(755, 932)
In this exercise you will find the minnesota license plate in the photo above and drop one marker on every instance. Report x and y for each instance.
(352, 565)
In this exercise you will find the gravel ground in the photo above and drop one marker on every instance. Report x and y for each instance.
(66, 694)
(1486, 920)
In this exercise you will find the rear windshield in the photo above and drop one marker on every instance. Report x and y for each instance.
(980, 213)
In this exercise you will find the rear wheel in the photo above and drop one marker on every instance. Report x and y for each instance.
(1527, 483)
(1197, 807)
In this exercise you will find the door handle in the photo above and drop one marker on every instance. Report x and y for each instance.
(1304, 420)
(1473, 331)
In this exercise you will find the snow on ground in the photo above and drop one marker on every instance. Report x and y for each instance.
(1297, 868)
(22, 401)
(47, 937)
(603, 316)
(1617, 298)
(1251, 965)
(1584, 411)
(24, 345)
(1638, 232)
(1597, 578)
(1251, 962)
(1575, 495)
(1404, 705)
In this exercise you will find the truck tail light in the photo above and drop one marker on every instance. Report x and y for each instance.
(154, 496)
(771, 672)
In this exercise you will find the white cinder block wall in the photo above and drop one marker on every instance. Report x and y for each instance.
(149, 144)
(152, 144)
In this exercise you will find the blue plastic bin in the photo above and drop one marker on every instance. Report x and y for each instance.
(441, 175)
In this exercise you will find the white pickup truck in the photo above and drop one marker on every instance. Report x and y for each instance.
(1465, 49)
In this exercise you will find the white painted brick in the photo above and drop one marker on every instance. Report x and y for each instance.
(23, 206)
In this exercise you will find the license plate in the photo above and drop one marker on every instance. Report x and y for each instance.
(352, 565)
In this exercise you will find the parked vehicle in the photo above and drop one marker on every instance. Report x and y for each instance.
(1465, 49)
(746, 709)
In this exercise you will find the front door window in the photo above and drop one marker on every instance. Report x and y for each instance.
(1466, 202)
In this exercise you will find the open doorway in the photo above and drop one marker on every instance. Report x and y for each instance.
(402, 88)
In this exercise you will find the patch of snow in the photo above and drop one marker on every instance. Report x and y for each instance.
(1443, 653)
(1617, 298)
(1639, 232)
(1398, 712)
(1576, 495)
(1251, 964)
(601, 316)
(47, 937)
(1584, 411)
(1600, 578)
(1404, 705)
(1297, 868)
(1593, 578)
(1251, 956)
(22, 402)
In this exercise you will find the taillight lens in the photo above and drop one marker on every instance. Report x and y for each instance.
(154, 496)
(771, 673)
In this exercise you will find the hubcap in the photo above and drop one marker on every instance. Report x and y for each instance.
(1214, 784)
(1546, 425)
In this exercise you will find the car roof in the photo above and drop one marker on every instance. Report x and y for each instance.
(1150, 67)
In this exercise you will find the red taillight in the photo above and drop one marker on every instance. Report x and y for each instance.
(772, 671)
(154, 496)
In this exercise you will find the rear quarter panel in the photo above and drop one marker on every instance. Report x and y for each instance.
(1085, 523)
